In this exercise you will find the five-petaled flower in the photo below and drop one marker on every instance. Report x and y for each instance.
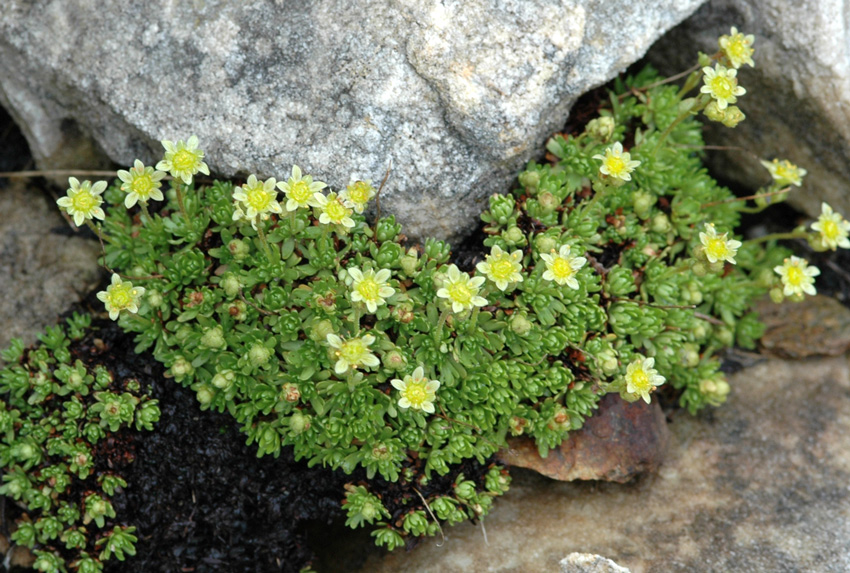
(370, 288)
(357, 195)
(183, 159)
(784, 172)
(461, 290)
(141, 184)
(502, 268)
(83, 201)
(797, 277)
(255, 200)
(833, 228)
(738, 48)
(353, 352)
(416, 391)
(563, 266)
(617, 163)
(642, 378)
(121, 295)
(721, 84)
(299, 189)
(334, 211)
(718, 247)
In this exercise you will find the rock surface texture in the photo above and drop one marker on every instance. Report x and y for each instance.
(759, 484)
(454, 95)
(798, 94)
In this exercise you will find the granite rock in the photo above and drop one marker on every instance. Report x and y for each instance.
(454, 96)
(798, 94)
(589, 563)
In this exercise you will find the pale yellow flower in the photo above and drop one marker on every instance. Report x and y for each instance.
(416, 391)
(461, 290)
(722, 85)
(353, 352)
(642, 378)
(617, 163)
(141, 184)
(121, 295)
(299, 189)
(255, 199)
(333, 211)
(83, 201)
(357, 195)
(562, 267)
(738, 48)
(183, 159)
(718, 247)
(502, 268)
(833, 228)
(797, 277)
(784, 172)
(370, 288)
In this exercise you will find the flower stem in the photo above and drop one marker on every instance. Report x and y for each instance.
(438, 332)
(100, 234)
(778, 237)
(180, 204)
(698, 105)
(263, 241)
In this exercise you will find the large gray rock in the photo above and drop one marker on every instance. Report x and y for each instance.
(455, 95)
(798, 95)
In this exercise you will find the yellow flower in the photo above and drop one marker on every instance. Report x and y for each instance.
(141, 184)
(502, 268)
(353, 352)
(334, 212)
(183, 159)
(797, 277)
(370, 288)
(299, 190)
(718, 247)
(642, 378)
(563, 267)
(416, 391)
(617, 163)
(255, 200)
(722, 85)
(833, 228)
(784, 172)
(357, 195)
(83, 201)
(738, 48)
(461, 290)
(120, 296)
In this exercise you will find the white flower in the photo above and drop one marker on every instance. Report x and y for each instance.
(502, 268)
(617, 163)
(141, 184)
(718, 247)
(357, 195)
(255, 200)
(833, 228)
(563, 267)
(120, 296)
(642, 378)
(461, 290)
(334, 212)
(722, 85)
(784, 172)
(416, 391)
(370, 288)
(183, 160)
(353, 352)
(797, 277)
(83, 201)
(299, 190)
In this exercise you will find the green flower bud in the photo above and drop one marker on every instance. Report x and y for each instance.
(643, 202)
(545, 244)
(290, 392)
(548, 202)
(182, 368)
(205, 395)
(320, 330)
(154, 297)
(238, 310)
(661, 223)
(299, 422)
(529, 179)
(699, 269)
(560, 421)
(601, 128)
(520, 325)
(724, 335)
(231, 284)
(224, 380)
(258, 355)
(690, 355)
(239, 249)
(409, 263)
(394, 360)
(514, 237)
(214, 338)
(733, 116)
(776, 295)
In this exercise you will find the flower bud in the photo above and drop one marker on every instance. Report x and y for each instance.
(733, 116)
(320, 330)
(214, 338)
(205, 395)
(394, 360)
(601, 128)
(290, 392)
(231, 285)
(643, 202)
(514, 236)
(545, 244)
(155, 299)
(239, 249)
(258, 355)
(224, 380)
(661, 223)
(529, 179)
(298, 422)
(182, 368)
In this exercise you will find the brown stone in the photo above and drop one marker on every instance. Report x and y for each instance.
(815, 326)
(618, 442)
